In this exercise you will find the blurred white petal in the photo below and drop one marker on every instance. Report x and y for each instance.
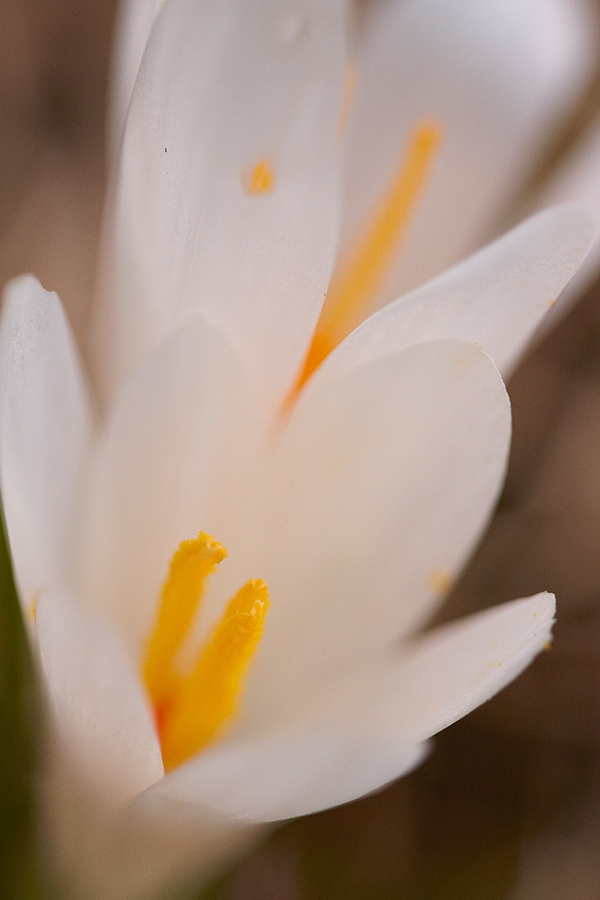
(268, 78)
(498, 76)
(102, 714)
(496, 298)
(45, 432)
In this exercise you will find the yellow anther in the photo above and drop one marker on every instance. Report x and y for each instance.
(360, 273)
(191, 708)
(208, 697)
(261, 180)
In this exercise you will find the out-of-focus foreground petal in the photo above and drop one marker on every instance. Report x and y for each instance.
(45, 430)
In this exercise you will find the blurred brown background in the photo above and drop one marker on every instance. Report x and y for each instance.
(54, 61)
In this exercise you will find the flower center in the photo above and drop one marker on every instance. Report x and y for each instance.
(361, 271)
(192, 707)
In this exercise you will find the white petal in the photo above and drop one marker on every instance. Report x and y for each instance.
(97, 701)
(222, 87)
(498, 76)
(134, 23)
(452, 670)
(44, 434)
(102, 841)
(371, 730)
(381, 486)
(176, 444)
(300, 771)
(495, 298)
(578, 180)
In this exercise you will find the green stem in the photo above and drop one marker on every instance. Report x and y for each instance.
(18, 864)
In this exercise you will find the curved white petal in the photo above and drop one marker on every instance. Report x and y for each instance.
(442, 676)
(356, 740)
(578, 180)
(222, 87)
(293, 773)
(381, 484)
(96, 699)
(45, 428)
(134, 23)
(178, 441)
(349, 741)
(497, 75)
(495, 298)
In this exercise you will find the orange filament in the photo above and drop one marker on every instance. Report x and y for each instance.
(261, 180)
(191, 708)
(350, 86)
(359, 275)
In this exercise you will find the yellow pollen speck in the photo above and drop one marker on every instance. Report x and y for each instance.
(360, 273)
(440, 582)
(32, 610)
(191, 708)
(551, 302)
(261, 179)
(547, 645)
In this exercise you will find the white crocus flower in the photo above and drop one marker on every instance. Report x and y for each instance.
(356, 496)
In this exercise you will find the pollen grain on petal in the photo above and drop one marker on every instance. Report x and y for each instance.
(260, 179)
(32, 610)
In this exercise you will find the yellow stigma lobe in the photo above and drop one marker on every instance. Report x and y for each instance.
(359, 275)
(192, 563)
(261, 180)
(208, 697)
(192, 707)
